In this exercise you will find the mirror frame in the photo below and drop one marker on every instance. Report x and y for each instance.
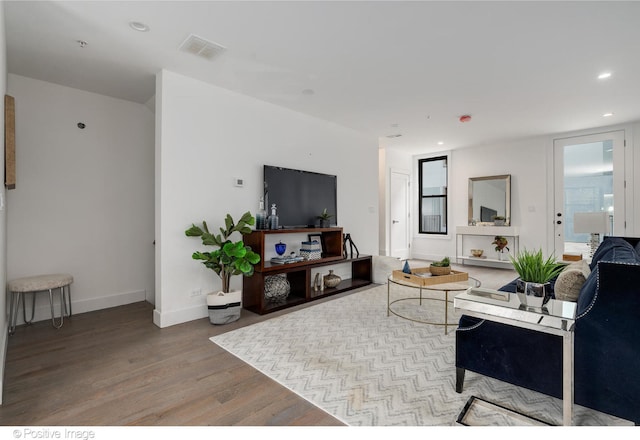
(507, 180)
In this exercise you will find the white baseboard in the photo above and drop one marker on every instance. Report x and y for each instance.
(43, 309)
(174, 317)
(3, 352)
(426, 257)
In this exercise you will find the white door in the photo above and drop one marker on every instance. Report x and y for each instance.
(399, 213)
(588, 177)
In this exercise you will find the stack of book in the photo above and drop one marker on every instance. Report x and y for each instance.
(311, 250)
(286, 260)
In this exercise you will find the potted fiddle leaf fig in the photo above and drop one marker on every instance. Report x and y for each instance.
(229, 258)
(535, 274)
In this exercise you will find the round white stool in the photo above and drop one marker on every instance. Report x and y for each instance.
(18, 289)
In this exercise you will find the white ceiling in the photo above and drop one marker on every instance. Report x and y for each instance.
(519, 69)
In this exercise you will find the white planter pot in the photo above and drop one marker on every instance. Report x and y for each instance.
(224, 307)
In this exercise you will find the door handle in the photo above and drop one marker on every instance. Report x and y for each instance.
(395, 221)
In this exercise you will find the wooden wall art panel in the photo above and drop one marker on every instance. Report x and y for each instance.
(9, 142)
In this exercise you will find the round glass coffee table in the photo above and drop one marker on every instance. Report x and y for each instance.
(442, 288)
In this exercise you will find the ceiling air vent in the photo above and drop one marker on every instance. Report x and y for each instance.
(393, 136)
(201, 47)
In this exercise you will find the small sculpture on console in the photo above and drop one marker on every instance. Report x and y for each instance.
(347, 239)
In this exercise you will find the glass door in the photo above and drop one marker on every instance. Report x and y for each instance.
(588, 178)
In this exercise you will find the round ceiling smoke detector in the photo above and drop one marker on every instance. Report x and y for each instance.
(465, 118)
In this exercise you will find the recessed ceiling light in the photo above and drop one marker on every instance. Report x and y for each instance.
(606, 115)
(604, 75)
(440, 143)
(138, 26)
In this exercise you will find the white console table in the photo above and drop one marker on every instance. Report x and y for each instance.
(489, 257)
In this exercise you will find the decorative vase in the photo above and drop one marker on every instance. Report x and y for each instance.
(224, 307)
(532, 294)
(276, 288)
(281, 248)
(331, 280)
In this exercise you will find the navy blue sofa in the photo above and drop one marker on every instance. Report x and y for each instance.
(607, 340)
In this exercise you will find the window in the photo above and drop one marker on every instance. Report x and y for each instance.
(433, 195)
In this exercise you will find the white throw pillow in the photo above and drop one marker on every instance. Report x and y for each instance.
(570, 281)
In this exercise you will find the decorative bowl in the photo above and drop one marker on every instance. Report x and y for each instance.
(440, 270)
(477, 252)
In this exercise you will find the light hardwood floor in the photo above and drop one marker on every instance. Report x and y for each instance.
(114, 367)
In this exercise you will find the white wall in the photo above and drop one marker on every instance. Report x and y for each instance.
(206, 136)
(529, 161)
(3, 211)
(83, 202)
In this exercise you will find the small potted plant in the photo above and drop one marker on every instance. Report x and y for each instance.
(499, 220)
(535, 273)
(230, 258)
(442, 267)
(501, 244)
(325, 219)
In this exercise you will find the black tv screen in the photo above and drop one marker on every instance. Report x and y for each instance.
(487, 214)
(299, 196)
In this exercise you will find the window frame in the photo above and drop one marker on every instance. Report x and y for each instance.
(444, 197)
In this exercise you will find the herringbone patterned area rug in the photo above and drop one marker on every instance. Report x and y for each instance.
(366, 369)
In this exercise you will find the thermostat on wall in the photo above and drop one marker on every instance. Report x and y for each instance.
(238, 181)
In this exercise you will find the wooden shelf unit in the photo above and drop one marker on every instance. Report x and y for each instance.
(299, 274)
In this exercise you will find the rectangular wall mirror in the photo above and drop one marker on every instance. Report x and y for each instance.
(490, 197)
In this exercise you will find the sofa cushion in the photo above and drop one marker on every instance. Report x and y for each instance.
(570, 281)
(614, 249)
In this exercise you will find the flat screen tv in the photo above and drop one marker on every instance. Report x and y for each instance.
(487, 214)
(299, 196)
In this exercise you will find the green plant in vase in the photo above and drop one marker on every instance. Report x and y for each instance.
(501, 244)
(228, 259)
(535, 273)
(442, 267)
(499, 220)
(325, 218)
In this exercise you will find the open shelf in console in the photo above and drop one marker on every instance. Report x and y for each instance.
(299, 274)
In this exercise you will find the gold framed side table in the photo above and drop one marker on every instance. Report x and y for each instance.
(444, 288)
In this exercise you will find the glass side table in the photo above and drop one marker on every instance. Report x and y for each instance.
(556, 317)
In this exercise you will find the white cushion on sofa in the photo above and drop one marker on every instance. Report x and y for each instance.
(570, 281)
